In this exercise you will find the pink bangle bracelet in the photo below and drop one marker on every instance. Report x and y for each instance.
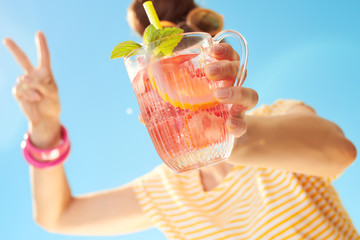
(43, 158)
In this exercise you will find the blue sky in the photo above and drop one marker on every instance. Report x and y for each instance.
(306, 50)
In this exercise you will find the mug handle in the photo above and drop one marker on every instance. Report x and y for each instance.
(240, 77)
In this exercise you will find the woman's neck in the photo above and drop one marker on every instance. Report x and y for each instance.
(213, 175)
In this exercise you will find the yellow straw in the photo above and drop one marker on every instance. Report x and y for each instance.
(151, 13)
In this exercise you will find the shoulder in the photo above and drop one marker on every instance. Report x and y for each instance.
(283, 106)
(161, 175)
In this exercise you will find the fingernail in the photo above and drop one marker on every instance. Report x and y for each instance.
(222, 93)
(24, 86)
(238, 108)
(234, 123)
(218, 49)
(36, 95)
(213, 69)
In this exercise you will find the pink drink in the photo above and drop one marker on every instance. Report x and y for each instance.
(185, 123)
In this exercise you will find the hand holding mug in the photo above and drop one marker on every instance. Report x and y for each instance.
(242, 99)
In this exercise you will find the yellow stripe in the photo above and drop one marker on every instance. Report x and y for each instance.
(303, 227)
(238, 214)
(227, 229)
(272, 179)
(283, 188)
(196, 223)
(150, 192)
(164, 218)
(338, 235)
(237, 227)
(278, 184)
(331, 233)
(352, 229)
(272, 209)
(286, 194)
(356, 235)
(315, 209)
(229, 197)
(324, 230)
(198, 211)
(302, 219)
(315, 228)
(281, 213)
(267, 174)
(217, 199)
(170, 195)
(246, 190)
(323, 192)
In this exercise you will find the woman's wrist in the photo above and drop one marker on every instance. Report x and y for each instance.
(45, 158)
(46, 134)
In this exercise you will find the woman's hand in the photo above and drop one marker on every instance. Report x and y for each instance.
(243, 99)
(37, 93)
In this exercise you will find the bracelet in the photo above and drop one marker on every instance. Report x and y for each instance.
(49, 157)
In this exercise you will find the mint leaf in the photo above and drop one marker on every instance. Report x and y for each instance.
(170, 31)
(124, 48)
(151, 34)
(165, 41)
(167, 46)
(169, 38)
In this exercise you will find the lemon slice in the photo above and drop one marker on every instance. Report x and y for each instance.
(182, 84)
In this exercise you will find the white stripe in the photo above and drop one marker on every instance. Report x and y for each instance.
(255, 205)
(172, 182)
(203, 233)
(272, 176)
(174, 211)
(330, 229)
(283, 216)
(311, 226)
(187, 223)
(250, 228)
(317, 215)
(287, 191)
(270, 183)
(350, 229)
(186, 215)
(238, 185)
(293, 220)
(241, 194)
(251, 217)
(168, 202)
(251, 203)
(343, 223)
(198, 226)
(280, 209)
(161, 191)
(269, 189)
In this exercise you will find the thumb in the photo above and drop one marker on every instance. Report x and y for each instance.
(141, 119)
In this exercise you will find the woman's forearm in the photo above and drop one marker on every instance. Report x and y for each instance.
(51, 195)
(294, 142)
(50, 189)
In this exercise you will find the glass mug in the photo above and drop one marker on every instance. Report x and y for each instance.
(185, 122)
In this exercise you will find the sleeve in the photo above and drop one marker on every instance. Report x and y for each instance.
(152, 190)
(281, 106)
(143, 187)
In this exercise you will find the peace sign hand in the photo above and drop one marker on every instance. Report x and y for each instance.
(36, 90)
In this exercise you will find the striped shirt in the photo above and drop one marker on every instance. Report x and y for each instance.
(250, 202)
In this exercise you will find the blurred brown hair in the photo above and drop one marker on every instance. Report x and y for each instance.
(170, 10)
